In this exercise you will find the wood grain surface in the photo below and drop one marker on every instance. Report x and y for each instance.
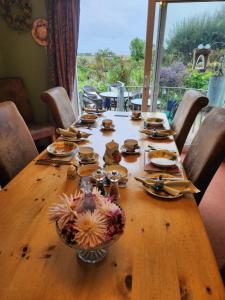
(164, 253)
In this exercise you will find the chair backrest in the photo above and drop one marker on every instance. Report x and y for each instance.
(113, 87)
(89, 89)
(17, 147)
(192, 102)
(13, 89)
(207, 151)
(60, 106)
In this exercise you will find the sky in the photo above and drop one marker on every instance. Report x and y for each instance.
(114, 23)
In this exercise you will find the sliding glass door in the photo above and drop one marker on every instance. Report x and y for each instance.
(190, 53)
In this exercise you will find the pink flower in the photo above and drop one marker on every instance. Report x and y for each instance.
(66, 211)
(115, 217)
(91, 229)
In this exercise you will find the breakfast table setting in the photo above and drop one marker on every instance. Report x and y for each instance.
(106, 212)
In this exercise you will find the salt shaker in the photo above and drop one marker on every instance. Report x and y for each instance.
(114, 178)
(99, 177)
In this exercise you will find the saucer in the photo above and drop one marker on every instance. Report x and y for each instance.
(136, 119)
(111, 128)
(125, 151)
(86, 162)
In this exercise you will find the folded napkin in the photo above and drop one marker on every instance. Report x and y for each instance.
(65, 132)
(149, 167)
(72, 132)
(48, 159)
(158, 132)
(172, 187)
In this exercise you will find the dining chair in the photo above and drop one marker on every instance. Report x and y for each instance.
(206, 152)
(14, 89)
(60, 106)
(17, 147)
(192, 102)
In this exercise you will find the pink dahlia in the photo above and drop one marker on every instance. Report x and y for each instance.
(91, 229)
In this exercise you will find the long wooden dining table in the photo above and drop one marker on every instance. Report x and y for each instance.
(164, 253)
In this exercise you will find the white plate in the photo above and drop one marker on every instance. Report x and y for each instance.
(163, 158)
(57, 148)
(163, 162)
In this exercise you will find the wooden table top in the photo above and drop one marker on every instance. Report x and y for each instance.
(164, 253)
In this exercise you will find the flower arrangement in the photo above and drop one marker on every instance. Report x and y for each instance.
(87, 220)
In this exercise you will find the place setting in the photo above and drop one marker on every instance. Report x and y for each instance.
(107, 125)
(136, 115)
(72, 134)
(162, 160)
(59, 153)
(158, 134)
(86, 155)
(87, 120)
(167, 186)
(130, 147)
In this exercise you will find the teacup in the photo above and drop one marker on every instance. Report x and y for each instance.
(107, 123)
(130, 145)
(86, 153)
(136, 114)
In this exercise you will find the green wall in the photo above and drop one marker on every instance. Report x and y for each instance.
(21, 56)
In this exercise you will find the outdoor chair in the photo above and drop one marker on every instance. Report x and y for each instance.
(17, 147)
(90, 96)
(13, 89)
(206, 152)
(191, 104)
(59, 106)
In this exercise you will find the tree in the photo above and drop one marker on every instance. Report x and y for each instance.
(103, 60)
(188, 34)
(173, 75)
(137, 47)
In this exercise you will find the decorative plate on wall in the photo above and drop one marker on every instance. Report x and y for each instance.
(40, 31)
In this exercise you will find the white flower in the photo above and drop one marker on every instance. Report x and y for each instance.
(66, 211)
(91, 229)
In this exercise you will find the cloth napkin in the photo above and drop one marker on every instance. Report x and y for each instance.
(171, 187)
(149, 167)
(160, 132)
